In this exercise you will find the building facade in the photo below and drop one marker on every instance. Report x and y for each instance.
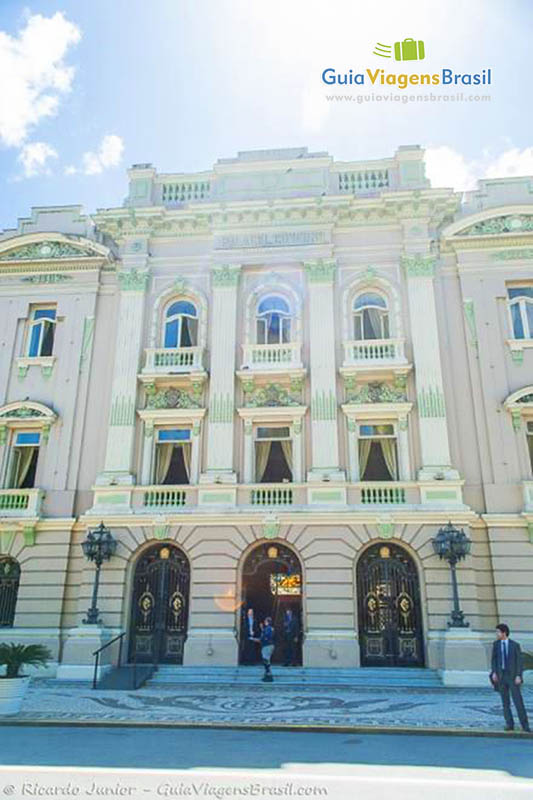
(274, 382)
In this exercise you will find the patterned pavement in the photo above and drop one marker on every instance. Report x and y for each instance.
(467, 709)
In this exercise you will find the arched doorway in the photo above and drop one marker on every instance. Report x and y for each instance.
(160, 605)
(390, 614)
(271, 584)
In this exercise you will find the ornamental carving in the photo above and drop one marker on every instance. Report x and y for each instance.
(375, 393)
(36, 251)
(133, 281)
(320, 271)
(513, 223)
(226, 275)
(23, 412)
(418, 266)
(172, 398)
(271, 395)
(47, 278)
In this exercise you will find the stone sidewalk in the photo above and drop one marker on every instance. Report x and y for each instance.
(268, 705)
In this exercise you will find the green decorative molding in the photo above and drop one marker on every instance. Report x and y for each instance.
(49, 249)
(517, 356)
(271, 527)
(400, 382)
(324, 406)
(3, 434)
(196, 427)
(161, 531)
(352, 425)
(226, 275)
(148, 428)
(513, 254)
(171, 398)
(441, 494)
(376, 393)
(470, 317)
(526, 398)
(46, 433)
(23, 371)
(321, 271)
(87, 338)
(516, 416)
(50, 277)
(23, 413)
(297, 426)
(431, 403)
(296, 383)
(370, 273)
(221, 408)
(385, 530)
(133, 280)
(29, 533)
(510, 223)
(179, 285)
(46, 370)
(122, 411)
(403, 423)
(248, 427)
(270, 396)
(419, 266)
(7, 537)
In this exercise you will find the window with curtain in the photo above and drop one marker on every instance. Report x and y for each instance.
(529, 434)
(370, 317)
(273, 321)
(181, 325)
(41, 331)
(9, 587)
(521, 310)
(378, 455)
(23, 458)
(273, 455)
(172, 456)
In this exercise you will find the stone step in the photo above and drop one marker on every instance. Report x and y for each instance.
(366, 676)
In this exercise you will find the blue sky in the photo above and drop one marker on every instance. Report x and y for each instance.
(96, 86)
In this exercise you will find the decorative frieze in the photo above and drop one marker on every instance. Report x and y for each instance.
(431, 403)
(226, 275)
(514, 254)
(374, 393)
(48, 278)
(324, 406)
(133, 280)
(321, 271)
(508, 223)
(37, 251)
(470, 317)
(22, 412)
(271, 395)
(418, 266)
(171, 398)
(87, 339)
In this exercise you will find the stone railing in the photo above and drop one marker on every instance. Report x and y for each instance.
(20, 502)
(272, 356)
(165, 360)
(363, 181)
(374, 351)
(272, 494)
(163, 497)
(382, 493)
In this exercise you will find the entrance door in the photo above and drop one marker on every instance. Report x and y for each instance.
(160, 606)
(271, 584)
(390, 619)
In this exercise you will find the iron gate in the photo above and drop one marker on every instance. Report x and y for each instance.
(160, 606)
(9, 587)
(390, 622)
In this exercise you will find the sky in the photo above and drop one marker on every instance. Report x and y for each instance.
(88, 88)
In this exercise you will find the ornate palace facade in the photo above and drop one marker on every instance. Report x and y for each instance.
(274, 382)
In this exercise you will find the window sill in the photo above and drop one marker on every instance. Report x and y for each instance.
(517, 347)
(46, 363)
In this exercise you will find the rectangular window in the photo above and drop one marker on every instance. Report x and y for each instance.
(22, 465)
(378, 453)
(521, 311)
(173, 456)
(530, 443)
(273, 455)
(41, 331)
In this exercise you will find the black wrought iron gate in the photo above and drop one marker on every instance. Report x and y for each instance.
(390, 620)
(160, 606)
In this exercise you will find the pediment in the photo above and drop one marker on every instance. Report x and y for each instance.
(50, 247)
(507, 221)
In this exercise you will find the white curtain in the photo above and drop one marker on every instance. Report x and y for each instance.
(262, 453)
(186, 450)
(286, 446)
(164, 457)
(372, 323)
(22, 465)
(388, 448)
(364, 452)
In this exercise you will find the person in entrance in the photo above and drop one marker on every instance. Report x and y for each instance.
(267, 648)
(290, 638)
(506, 676)
(251, 638)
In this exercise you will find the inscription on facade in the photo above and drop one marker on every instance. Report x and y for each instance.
(267, 239)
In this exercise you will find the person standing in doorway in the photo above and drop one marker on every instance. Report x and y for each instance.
(506, 676)
(290, 638)
(251, 638)
(267, 648)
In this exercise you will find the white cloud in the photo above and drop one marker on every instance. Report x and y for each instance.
(447, 167)
(109, 154)
(34, 74)
(34, 158)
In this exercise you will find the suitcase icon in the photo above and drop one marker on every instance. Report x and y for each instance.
(409, 50)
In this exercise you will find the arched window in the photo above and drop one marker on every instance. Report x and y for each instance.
(9, 587)
(181, 325)
(273, 321)
(370, 317)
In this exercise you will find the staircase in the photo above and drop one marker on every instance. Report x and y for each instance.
(298, 676)
(126, 677)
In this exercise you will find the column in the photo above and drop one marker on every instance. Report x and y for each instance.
(121, 433)
(225, 282)
(436, 461)
(296, 432)
(324, 435)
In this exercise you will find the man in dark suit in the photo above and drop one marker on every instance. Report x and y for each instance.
(506, 676)
(250, 638)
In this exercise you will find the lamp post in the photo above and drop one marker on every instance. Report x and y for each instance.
(453, 545)
(99, 546)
